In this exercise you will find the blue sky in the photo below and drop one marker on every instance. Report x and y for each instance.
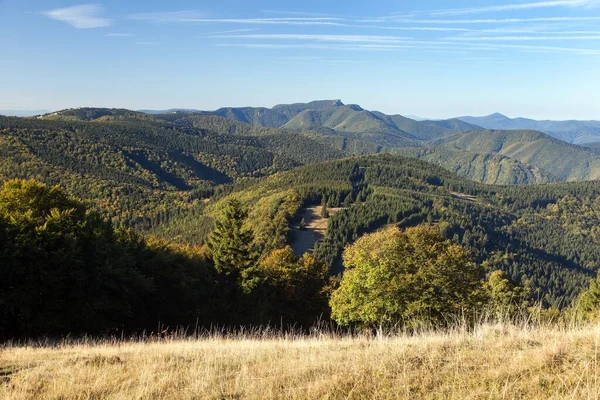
(538, 59)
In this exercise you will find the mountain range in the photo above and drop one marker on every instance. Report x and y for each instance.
(290, 135)
(168, 175)
(577, 132)
(491, 155)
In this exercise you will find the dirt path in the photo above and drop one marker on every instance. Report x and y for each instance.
(316, 227)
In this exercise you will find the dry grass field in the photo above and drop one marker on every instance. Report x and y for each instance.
(493, 361)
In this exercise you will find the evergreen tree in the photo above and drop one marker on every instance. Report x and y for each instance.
(324, 210)
(348, 200)
(230, 243)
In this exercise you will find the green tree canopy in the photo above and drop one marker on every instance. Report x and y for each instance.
(296, 287)
(505, 297)
(587, 305)
(230, 243)
(415, 275)
(61, 268)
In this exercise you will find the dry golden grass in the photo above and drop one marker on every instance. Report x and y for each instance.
(493, 361)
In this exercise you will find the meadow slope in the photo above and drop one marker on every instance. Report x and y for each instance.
(493, 361)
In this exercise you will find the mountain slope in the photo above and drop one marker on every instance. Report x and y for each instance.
(336, 115)
(494, 169)
(563, 161)
(536, 231)
(333, 130)
(141, 170)
(577, 132)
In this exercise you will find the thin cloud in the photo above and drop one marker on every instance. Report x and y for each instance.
(169, 16)
(233, 31)
(422, 45)
(324, 38)
(81, 17)
(488, 20)
(515, 7)
(416, 28)
(195, 17)
(525, 38)
(356, 47)
(296, 13)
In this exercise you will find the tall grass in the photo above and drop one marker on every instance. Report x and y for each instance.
(525, 358)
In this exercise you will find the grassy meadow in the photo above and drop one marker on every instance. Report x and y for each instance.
(497, 361)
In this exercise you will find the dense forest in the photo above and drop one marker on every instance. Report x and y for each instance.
(115, 220)
(517, 229)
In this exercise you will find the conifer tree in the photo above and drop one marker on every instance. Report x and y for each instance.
(230, 243)
(348, 200)
(324, 210)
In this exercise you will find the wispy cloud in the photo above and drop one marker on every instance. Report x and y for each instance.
(195, 17)
(169, 16)
(416, 28)
(516, 7)
(448, 45)
(296, 13)
(81, 17)
(485, 20)
(421, 45)
(524, 38)
(233, 31)
(324, 38)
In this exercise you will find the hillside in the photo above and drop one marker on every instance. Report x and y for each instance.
(167, 175)
(577, 132)
(344, 118)
(490, 168)
(526, 158)
(554, 157)
(509, 228)
(140, 169)
(334, 141)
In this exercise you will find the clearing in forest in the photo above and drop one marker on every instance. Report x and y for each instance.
(316, 227)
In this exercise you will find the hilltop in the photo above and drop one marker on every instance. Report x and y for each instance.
(352, 118)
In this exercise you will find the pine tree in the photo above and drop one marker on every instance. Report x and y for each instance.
(324, 210)
(230, 243)
(348, 200)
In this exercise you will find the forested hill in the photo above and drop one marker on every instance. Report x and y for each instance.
(138, 169)
(490, 156)
(544, 234)
(340, 117)
(564, 161)
(333, 130)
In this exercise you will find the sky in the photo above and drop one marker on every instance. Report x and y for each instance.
(430, 58)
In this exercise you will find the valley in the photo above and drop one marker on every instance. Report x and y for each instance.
(168, 177)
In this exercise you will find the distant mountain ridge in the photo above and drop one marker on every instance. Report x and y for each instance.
(345, 119)
(576, 132)
(567, 162)
(332, 129)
